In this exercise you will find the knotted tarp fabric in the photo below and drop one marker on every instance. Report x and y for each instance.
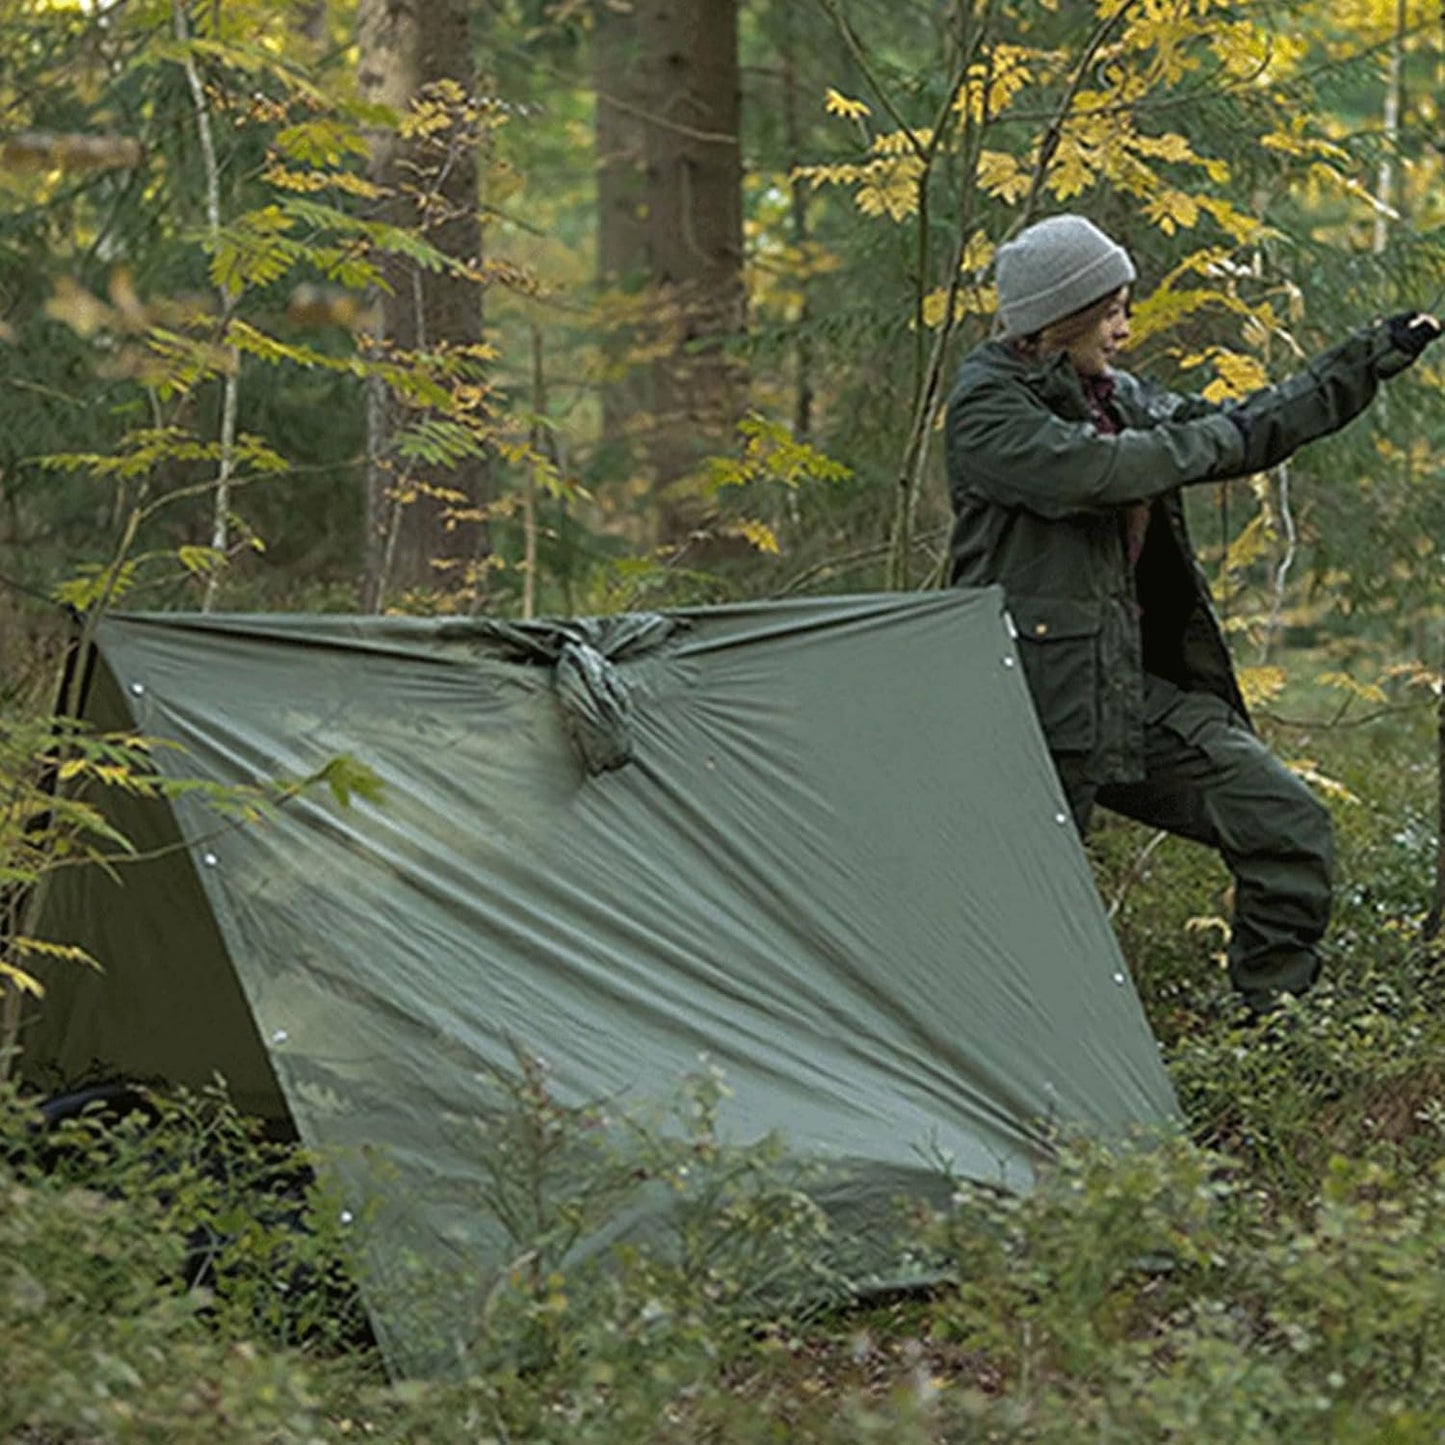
(839, 865)
(593, 694)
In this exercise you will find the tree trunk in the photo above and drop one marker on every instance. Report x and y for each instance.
(423, 531)
(621, 235)
(798, 199)
(1436, 914)
(693, 230)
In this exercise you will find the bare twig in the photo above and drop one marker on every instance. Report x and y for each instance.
(1281, 573)
(1049, 144)
(1135, 872)
(845, 29)
(1324, 725)
(661, 122)
(928, 388)
(859, 558)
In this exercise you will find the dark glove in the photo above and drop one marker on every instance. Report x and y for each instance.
(1412, 331)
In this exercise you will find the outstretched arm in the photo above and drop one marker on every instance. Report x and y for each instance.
(1006, 445)
(1332, 390)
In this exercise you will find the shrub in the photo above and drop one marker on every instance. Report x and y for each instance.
(98, 1341)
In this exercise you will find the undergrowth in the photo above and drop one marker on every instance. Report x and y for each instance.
(1275, 1272)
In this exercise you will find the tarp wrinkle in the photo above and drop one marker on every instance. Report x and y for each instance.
(596, 705)
(593, 695)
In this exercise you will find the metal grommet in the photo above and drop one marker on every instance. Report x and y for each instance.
(1008, 662)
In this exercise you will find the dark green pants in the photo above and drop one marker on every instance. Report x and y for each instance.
(1211, 780)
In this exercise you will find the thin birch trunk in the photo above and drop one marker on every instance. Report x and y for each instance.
(529, 489)
(1435, 915)
(230, 386)
(1385, 210)
(426, 521)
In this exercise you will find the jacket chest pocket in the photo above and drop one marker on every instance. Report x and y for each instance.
(1059, 642)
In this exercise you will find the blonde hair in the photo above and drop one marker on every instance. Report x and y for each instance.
(1061, 334)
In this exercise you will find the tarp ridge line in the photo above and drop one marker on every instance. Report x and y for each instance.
(596, 702)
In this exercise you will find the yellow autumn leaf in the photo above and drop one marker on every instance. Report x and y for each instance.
(891, 188)
(999, 174)
(20, 980)
(836, 103)
(1168, 147)
(1165, 307)
(978, 300)
(1250, 545)
(1203, 924)
(977, 254)
(1308, 769)
(1295, 143)
(1343, 682)
(760, 535)
(1242, 49)
(1259, 685)
(1236, 375)
(1074, 169)
(835, 175)
(1417, 674)
(1229, 218)
(967, 301)
(44, 948)
(1171, 209)
(901, 142)
(935, 307)
(992, 84)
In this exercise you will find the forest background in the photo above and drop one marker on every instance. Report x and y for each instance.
(535, 308)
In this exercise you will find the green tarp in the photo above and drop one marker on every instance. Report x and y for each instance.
(819, 842)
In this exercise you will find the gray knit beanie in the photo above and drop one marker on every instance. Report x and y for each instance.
(1054, 268)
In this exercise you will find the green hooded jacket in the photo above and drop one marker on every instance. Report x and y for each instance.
(1041, 498)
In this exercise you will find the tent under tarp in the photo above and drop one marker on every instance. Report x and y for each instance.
(817, 841)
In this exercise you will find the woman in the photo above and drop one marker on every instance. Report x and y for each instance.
(1064, 475)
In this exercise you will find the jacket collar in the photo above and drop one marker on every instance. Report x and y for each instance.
(1054, 382)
